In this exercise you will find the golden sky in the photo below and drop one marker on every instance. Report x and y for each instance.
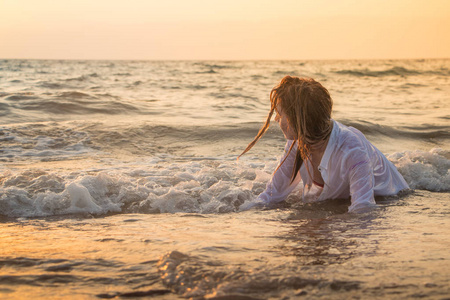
(224, 29)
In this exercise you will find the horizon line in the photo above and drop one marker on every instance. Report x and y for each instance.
(224, 59)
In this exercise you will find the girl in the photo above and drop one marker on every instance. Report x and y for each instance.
(333, 161)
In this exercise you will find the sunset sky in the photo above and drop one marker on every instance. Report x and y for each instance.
(224, 29)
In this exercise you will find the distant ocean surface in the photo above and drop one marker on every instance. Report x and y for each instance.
(120, 179)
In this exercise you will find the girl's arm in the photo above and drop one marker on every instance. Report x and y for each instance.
(361, 181)
(280, 186)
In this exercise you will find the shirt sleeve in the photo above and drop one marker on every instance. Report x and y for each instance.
(361, 181)
(280, 186)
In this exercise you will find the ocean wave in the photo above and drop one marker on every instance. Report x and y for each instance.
(196, 87)
(424, 170)
(179, 93)
(412, 85)
(210, 71)
(54, 85)
(4, 109)
(107, 95)
(394, 71)
(258, 77)
(66, 140)
(83, 77)
(43, 142)
(170, 87)
(163, 185)
(79, 78)
(74, 95)
(21, 96)
(284, 73)
(188, 187)
(74, 103)
(199, 276)
(217, 66)
(231, 95)
(424, 132)
(145, 138)
(223, 65)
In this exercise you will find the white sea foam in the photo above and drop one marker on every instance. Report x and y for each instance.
(159, 187)
(182, 187)
(424, 170)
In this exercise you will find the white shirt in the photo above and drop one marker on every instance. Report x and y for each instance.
(350, 167)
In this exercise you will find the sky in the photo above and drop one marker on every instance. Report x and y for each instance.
(224, 29)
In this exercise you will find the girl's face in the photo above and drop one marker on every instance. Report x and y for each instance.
(282, 120)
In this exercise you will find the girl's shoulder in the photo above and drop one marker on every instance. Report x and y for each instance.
(350, 139)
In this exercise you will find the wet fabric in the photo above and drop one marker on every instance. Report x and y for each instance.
(350, 167)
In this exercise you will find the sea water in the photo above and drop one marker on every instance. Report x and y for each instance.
(119, 179)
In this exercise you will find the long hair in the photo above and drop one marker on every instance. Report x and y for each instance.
(307, 105)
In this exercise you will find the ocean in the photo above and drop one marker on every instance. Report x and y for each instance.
(120, 179)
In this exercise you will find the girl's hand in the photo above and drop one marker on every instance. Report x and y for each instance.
(252, 204)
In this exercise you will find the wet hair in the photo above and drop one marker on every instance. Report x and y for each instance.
(307, 105)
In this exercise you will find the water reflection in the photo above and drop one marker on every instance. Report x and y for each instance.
(324, 234)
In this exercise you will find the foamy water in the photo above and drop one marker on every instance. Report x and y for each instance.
(120, 177)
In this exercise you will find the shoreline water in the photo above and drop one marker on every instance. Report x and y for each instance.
(314, 251)
(119, 178)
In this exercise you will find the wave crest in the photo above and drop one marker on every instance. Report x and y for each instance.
(394, 71)
(206, 187)
(164, 186)
(424, 170)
